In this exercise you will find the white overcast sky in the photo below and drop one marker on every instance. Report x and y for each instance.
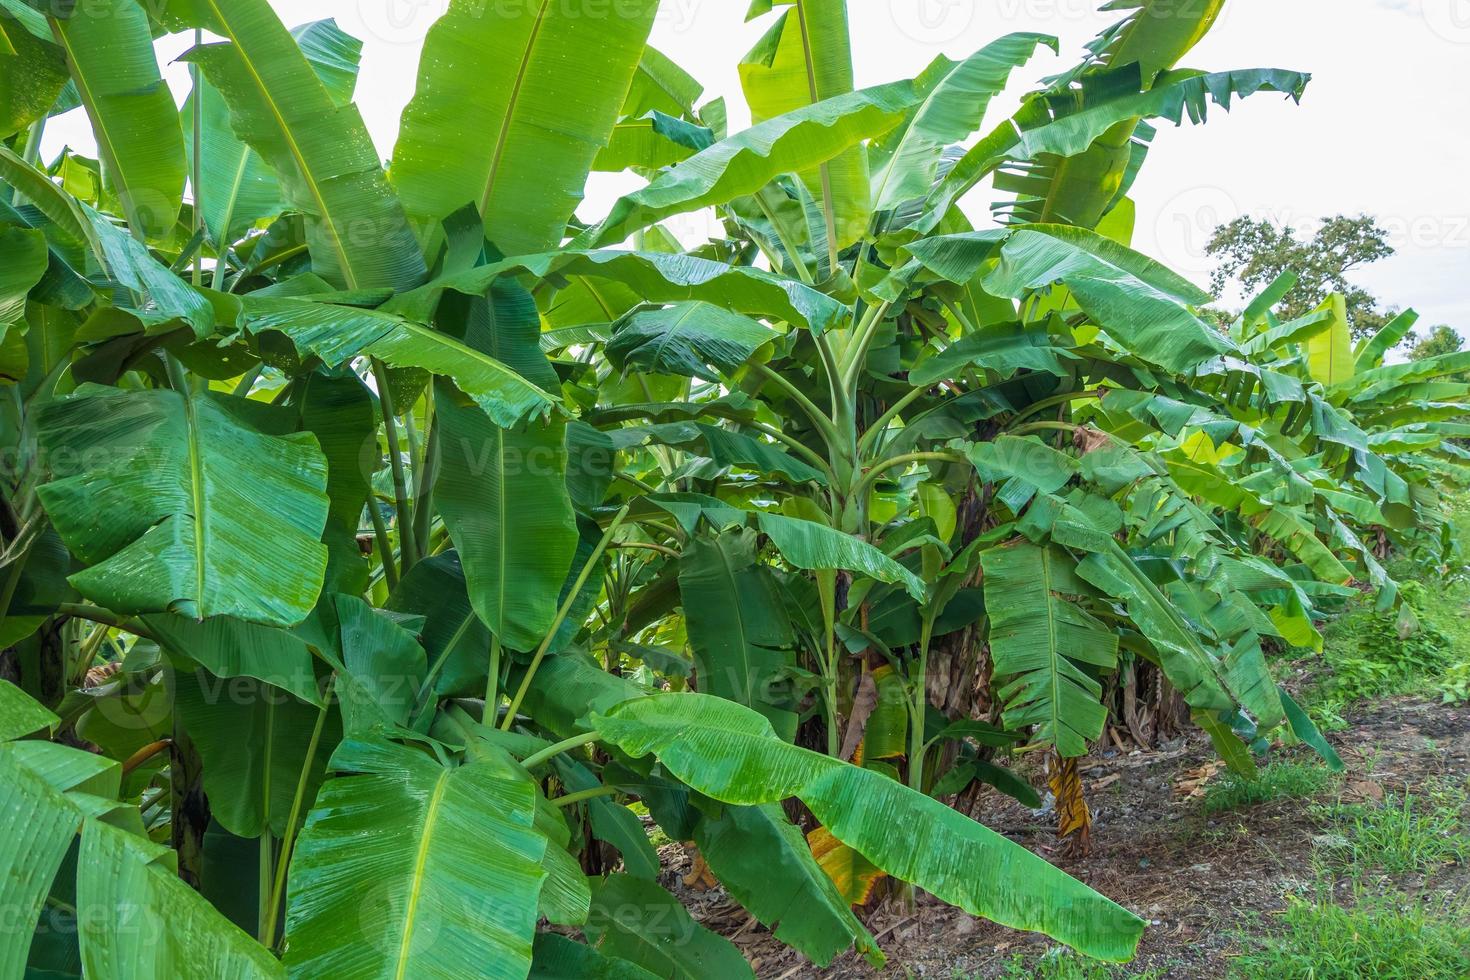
(1384, 127)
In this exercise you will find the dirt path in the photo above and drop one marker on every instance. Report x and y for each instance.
(1199, 879)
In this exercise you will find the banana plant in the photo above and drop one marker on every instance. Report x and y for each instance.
(376, 534)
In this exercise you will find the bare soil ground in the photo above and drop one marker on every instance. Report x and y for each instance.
(1198, 879)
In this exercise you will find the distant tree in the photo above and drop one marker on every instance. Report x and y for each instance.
(1443, 339)
(1254, 253)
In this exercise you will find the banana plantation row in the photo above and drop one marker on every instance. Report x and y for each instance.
(374, 535)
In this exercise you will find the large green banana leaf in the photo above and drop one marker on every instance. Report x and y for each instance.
(190, 503)
(637, 921)
(654, 277)
(765, 863)
(738, 629)
(730, 753)
(1132, 297)
(409, 869)
(139, 919)
(659, 85)
(232, 648)
(240, 188)
(109, 50)
(455, 640)
(1330, 353)
(380, 665)
(253, 740)
(803, 59)
(20, 714)
(686, 339)
(321, 152)
(560, 958)
(337, 334)
(35, 780)
(956, 97)
(513, 103)
(1040, 641)
(813, 546)
(744, 163)
(503, 496)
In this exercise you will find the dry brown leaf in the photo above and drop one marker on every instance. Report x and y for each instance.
(699, 878)
(1074, 818)
(1191, 784)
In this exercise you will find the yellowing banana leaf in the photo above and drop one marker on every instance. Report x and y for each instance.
(1330, 352)
(730, 753)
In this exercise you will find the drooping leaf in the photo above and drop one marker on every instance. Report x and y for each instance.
(337, 334)
(138, 918)
(503, 496)
(558, 958)
(809, 545)
(637, 921)
(730, 753)
(1040, 642)
(186, 503)
(763, 860)
(654, 277)
(1132, 297)
(686, 339)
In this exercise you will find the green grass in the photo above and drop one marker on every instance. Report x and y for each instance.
(1064, 964)
(1408, 834)
(1386, 938)
(1370, 655)
(1286, 779)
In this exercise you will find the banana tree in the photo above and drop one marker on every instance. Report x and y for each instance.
(375, 534)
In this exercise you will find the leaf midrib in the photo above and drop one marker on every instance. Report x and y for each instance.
(421, 860)
(511, 105)
(306, 174)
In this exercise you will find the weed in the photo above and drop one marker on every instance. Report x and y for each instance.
(1406, 834)
(1384, 937)
(1064, 964)
(1285, 779)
